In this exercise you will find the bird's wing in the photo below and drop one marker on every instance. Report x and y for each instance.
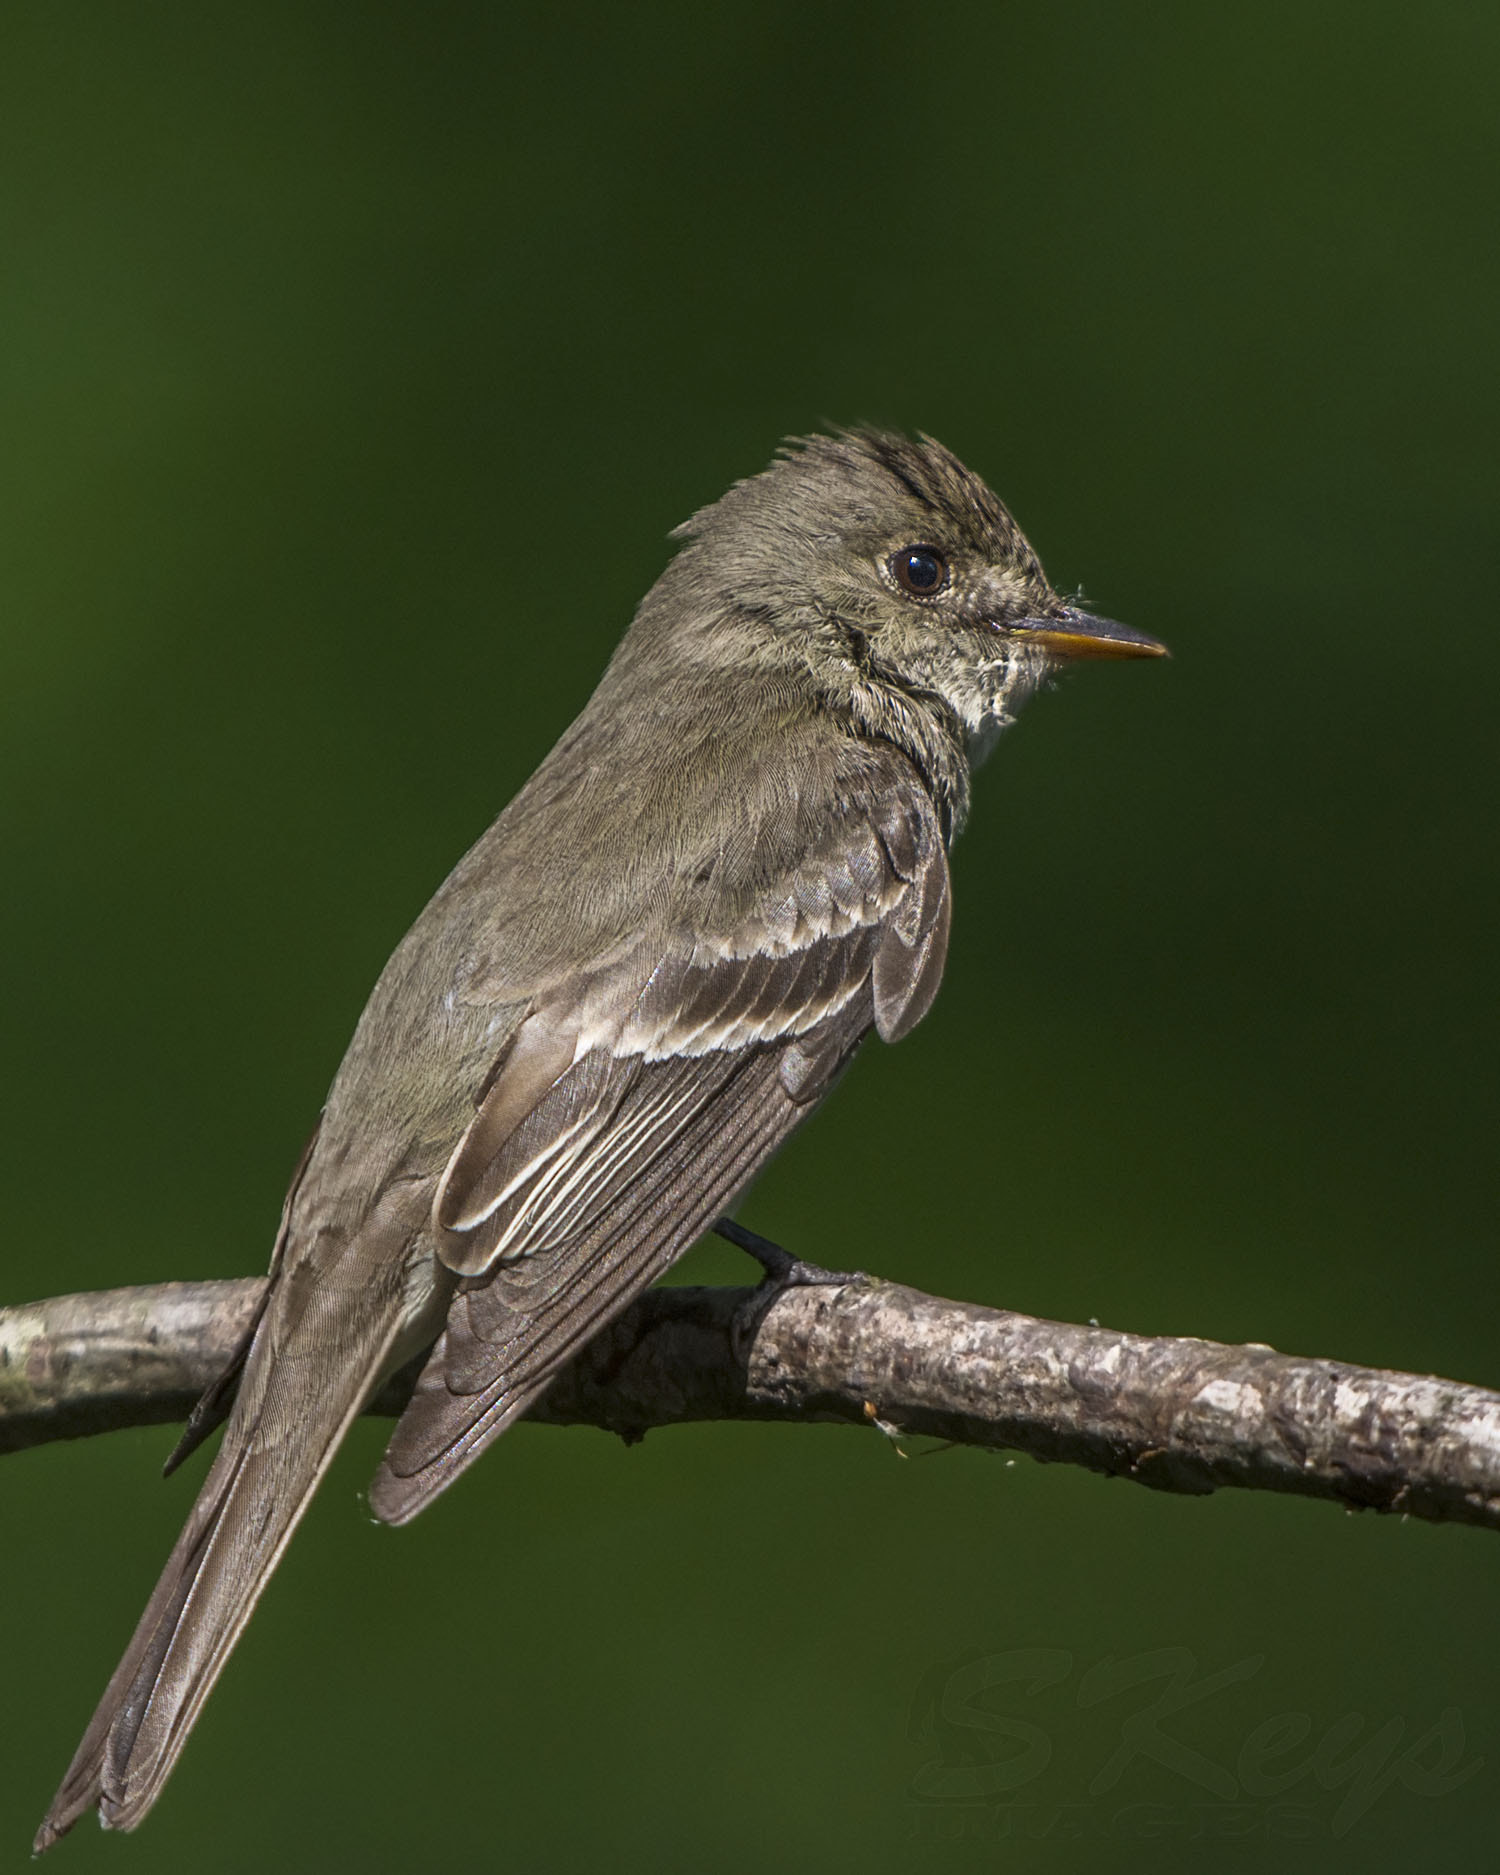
(626, 1115)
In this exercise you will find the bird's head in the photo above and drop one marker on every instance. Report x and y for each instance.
(887, 551)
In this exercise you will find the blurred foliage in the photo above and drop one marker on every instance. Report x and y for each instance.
(356, 362)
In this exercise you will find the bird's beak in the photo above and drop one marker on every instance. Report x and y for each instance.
(1075, 634)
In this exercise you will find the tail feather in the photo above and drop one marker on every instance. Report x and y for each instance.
(304, 1384)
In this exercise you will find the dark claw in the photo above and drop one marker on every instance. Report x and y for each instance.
(782, 1271)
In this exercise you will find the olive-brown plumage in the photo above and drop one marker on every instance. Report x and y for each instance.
(731, 867)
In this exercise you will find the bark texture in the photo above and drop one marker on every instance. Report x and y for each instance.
(1175, 1414)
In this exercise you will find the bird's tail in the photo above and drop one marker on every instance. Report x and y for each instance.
(315, 1356)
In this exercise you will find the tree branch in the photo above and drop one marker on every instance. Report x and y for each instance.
(1176, 1414)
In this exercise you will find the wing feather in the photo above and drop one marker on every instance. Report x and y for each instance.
(507, 1335)
(640, 1097)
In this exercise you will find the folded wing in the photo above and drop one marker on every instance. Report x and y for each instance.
(634, 1103)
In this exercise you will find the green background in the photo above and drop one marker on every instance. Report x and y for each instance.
(354, 363)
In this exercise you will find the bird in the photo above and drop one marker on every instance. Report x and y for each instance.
(731, 869)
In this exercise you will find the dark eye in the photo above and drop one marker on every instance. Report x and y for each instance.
(921, 571)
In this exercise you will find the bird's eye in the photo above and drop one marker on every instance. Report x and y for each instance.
(921, 571)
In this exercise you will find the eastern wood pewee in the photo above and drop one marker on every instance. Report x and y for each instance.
(652, 966)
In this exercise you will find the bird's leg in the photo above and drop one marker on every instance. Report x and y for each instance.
(782, 1271)
(780, 1266)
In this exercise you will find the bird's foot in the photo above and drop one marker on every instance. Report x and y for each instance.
(783, 1271)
